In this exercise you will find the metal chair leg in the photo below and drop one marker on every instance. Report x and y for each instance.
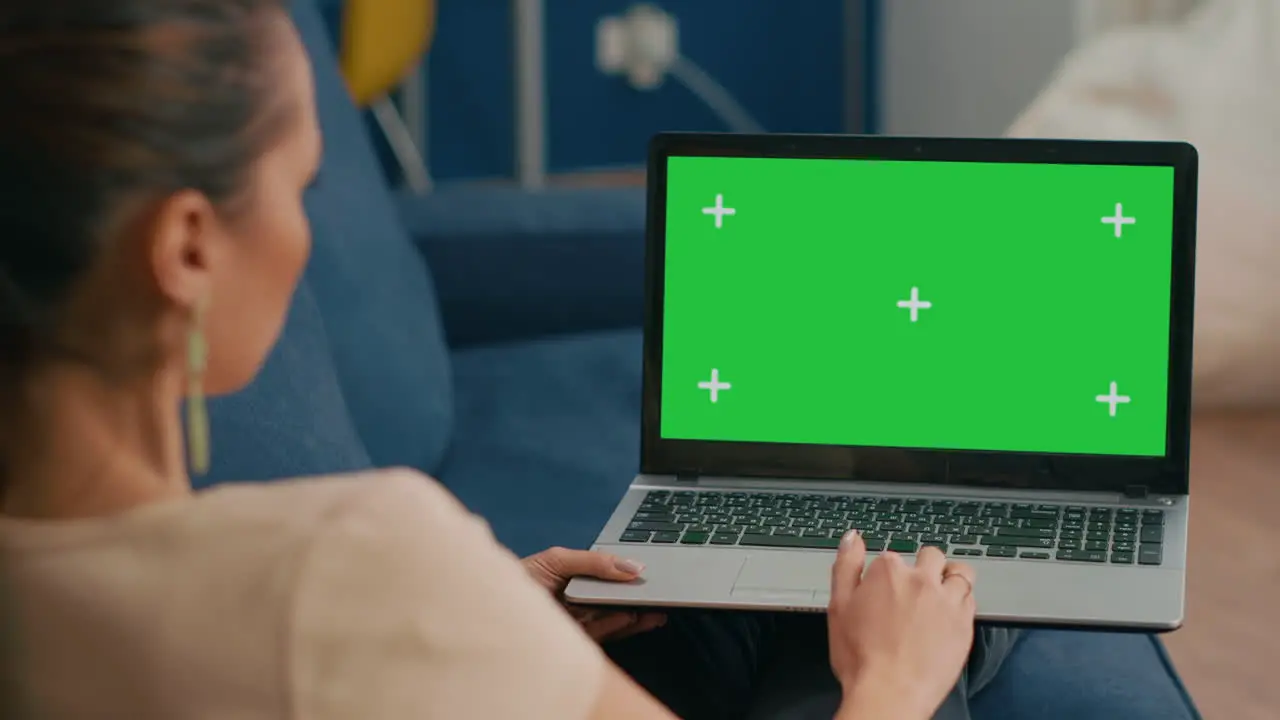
(400, 139)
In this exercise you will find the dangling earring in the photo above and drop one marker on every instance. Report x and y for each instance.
(197, 413)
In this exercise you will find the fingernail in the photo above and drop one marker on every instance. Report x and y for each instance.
(849, 536)
(631, 567)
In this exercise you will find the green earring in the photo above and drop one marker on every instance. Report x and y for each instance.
(197, 413)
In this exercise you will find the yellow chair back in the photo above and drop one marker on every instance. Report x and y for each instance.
(381, 42)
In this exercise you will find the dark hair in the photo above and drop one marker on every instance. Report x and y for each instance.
(105, 101)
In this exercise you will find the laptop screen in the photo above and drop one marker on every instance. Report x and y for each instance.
(918, 304)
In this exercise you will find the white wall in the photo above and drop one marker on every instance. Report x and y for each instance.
(968, 67)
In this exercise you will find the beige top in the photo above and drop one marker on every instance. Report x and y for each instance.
(360, 597)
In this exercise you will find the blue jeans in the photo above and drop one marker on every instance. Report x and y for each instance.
(708, 665)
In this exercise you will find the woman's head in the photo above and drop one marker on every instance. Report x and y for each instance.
(153, 156)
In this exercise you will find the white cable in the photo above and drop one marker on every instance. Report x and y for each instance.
(714, 95)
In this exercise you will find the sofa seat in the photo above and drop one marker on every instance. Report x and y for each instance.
(546, 435)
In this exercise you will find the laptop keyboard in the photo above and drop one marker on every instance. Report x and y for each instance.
(1072, 533)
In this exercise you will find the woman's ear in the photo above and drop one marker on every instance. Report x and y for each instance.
(181, 246)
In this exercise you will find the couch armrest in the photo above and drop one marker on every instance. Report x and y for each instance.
(510, 264)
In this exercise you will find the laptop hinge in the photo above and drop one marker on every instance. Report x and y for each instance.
(1136, 492)
(685, 479)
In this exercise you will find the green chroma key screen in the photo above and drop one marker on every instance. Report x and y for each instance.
(914, 304)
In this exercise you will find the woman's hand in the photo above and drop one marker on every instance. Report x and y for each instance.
(554, 568)
(900, 635)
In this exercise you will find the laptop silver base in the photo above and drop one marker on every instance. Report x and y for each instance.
(1011, 591)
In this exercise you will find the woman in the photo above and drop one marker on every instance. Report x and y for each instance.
(152, 165)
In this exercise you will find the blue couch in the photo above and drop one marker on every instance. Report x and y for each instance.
(490, 337)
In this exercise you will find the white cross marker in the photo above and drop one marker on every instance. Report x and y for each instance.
(1113, 399)
(719, 211)
(915, 304)
(714, 385)
(1119, 221)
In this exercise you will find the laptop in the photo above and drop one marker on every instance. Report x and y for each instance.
(980, 345)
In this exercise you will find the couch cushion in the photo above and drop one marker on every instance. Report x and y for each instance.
(547, 436)
(293, 419)
(371, 284)
(1067, 675)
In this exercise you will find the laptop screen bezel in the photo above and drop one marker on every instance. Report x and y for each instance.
(1167, 475)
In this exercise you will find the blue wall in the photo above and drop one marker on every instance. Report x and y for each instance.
(783, 60)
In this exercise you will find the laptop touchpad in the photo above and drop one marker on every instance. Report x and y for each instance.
(804, 572)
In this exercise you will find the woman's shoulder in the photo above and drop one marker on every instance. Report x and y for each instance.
(304, 516)
(395, 519)
(327, 497)
(406, 605)
(286, 514)
(353, 516)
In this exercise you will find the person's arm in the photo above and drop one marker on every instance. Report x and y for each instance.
(899, 634)
(873, 699)
(407, 607)
(620, 698)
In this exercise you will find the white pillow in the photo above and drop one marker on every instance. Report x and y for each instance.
(1212, 81)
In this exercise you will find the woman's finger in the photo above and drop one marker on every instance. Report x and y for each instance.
(646, 623)
(958, 579)
(584, 614)
(930, 560)
(846, 572)
(565, 563)
(609, 624)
